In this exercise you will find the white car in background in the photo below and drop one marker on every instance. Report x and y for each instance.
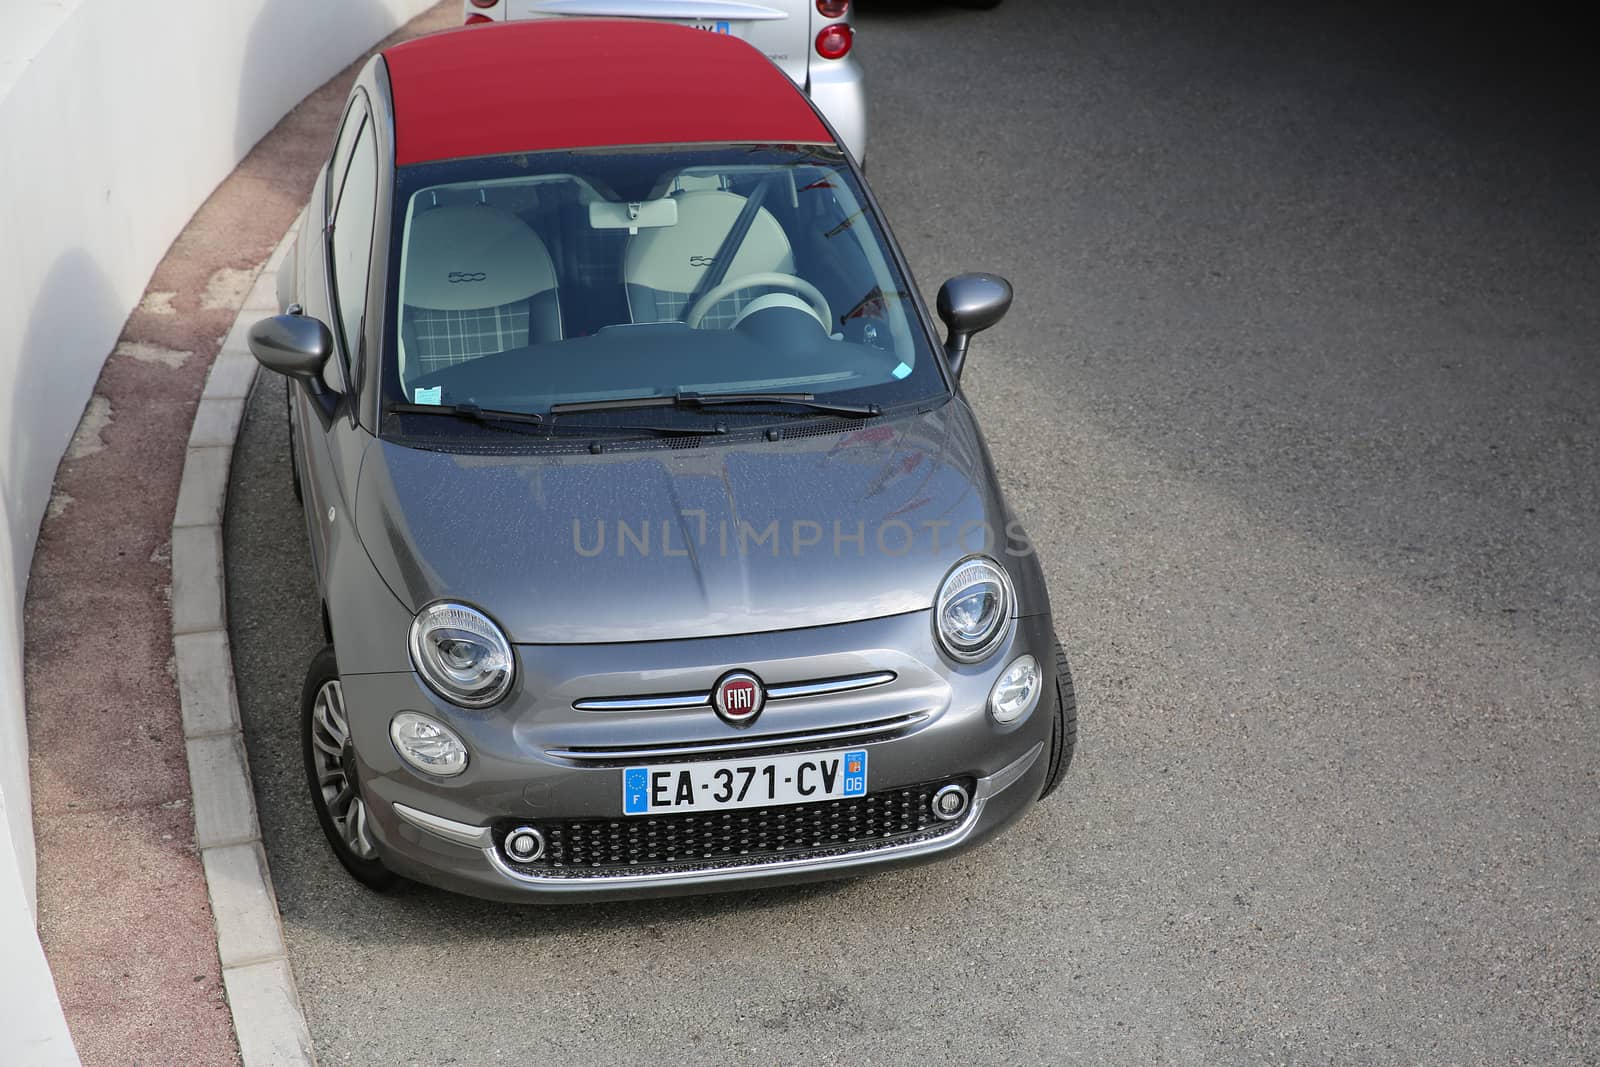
(809, 40)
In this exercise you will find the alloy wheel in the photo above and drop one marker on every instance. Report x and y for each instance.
(335, 762)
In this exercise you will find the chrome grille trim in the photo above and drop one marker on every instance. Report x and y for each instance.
(661, 703)
(680, 701)
(680, 842)
(833, 685)
(623, 753)
(946, 837)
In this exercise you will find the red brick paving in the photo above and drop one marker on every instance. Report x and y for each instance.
(123, 912)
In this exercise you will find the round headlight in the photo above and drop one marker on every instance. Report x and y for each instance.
(973, 609)
(427, 744)
(461, 654)
(1016, 692)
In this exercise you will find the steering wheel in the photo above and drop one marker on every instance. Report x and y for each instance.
(798, 286)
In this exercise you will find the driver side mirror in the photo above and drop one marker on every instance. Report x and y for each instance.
(968, 304)
(296, 346)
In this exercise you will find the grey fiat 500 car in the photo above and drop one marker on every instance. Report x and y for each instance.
(658, 549)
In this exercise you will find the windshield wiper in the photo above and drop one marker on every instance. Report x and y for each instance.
(491, 417)
(706, 400)
(494, 417)
(804, 400)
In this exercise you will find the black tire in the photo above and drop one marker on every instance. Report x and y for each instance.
(1064, 731)
(979, 5)
(288, 420)
(314, 737)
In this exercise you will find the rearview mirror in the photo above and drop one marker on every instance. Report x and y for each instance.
(968, 304)
(296, 346)
(645, 214)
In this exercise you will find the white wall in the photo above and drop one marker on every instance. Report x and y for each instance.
(117, 119)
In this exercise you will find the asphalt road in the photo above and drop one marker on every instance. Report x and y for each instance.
(1298, 401)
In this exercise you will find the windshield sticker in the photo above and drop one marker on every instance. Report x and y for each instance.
(429, 396)
(899, 372)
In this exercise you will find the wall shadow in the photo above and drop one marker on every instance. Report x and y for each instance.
(279, 25)
(72, 326)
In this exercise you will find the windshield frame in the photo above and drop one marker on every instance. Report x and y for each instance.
(377, 373)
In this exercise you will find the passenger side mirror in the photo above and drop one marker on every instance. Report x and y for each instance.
(296, 346)
(968, 304)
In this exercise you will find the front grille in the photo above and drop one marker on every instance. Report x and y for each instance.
(660, 844)
(759, 745)
(818, 687)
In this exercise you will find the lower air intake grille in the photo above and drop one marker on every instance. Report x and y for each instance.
(592, 848)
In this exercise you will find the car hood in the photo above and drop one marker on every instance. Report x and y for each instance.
(654, 542)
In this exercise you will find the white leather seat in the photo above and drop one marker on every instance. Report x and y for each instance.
(663, 266)
(476, 281)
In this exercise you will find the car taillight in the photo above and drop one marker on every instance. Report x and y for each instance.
(832, 9)
(473, 20)
(834, 41)
(484, 3)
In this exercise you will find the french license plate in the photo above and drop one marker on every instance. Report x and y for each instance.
(747, 783)
(720, 26)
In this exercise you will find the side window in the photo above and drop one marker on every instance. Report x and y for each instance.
(352, 238)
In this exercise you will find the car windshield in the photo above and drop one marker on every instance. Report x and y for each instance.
(526, 281)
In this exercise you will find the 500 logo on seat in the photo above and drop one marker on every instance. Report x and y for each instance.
(455, 277)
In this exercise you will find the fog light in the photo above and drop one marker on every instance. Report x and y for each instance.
(1017, 691)
(950, 803)
(524, 844)
(428, 745)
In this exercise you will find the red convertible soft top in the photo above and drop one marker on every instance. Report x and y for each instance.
(578, 83)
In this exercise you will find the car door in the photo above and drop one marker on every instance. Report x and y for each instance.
(332, 445)
(780, 28)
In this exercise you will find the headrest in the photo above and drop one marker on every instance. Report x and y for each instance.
(674, 258)
(461, 257)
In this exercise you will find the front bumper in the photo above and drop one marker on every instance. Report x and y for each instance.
(443, 831)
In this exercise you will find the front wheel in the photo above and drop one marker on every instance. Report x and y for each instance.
(331, 774)
(1064, 731)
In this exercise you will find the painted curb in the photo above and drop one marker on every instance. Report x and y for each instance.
(267, 1016)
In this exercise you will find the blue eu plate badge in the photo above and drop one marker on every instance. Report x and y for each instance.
(636, 791)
